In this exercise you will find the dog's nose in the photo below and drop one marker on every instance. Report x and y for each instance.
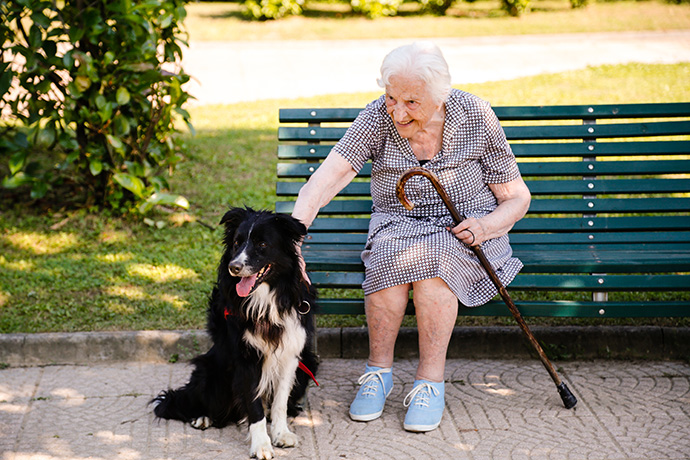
(234, 268)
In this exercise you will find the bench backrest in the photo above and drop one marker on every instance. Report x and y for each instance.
(592, 170)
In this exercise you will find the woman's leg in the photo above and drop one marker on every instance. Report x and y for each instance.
(436, 308)
(385, 310)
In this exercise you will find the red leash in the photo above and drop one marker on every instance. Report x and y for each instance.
(308, 372)
(301, 365)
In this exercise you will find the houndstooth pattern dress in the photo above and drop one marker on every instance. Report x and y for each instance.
(407, 246)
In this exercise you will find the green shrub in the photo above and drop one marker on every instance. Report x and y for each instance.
(262, 10)
(436, 7)
(373, 9)
(90, 115)
(578, 3)
(515, 7)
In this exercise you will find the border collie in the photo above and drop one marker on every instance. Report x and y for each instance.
(260, 319)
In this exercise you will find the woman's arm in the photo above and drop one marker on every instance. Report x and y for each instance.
(513, 201)
(331, 177)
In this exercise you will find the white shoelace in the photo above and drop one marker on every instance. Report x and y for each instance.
(421, 394)
(369, 380)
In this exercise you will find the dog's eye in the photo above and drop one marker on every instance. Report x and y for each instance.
(263, 245)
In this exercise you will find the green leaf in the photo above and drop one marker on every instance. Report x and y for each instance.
(131, 183)
(122, 96)
(121, 125)
(101, 101)
(115, 142)
(39, 190)
(15, 181)
(95, 166)
(169, 200)
(68, 60)
(5, 81)
(17, 161)
(108, 58)
(76, 33)
(35, 37)
(82, 83)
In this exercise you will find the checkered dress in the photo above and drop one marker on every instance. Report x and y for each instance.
(407, 246)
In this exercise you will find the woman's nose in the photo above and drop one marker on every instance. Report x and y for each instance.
(399, 113)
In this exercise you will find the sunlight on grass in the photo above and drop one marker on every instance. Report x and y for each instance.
(115, 257)
(19, 265)
(113, 236)
(120, 308)
(129, 299)
(127, 292)
(161, 273)
(4, 298)
(174, 301)
(40, 243)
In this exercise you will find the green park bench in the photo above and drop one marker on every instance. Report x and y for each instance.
(607, 233)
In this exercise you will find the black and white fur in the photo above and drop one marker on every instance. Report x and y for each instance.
(260, 319)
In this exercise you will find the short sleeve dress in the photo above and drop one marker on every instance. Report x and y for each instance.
(407, 246)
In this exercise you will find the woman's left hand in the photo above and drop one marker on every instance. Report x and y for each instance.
(470, 232)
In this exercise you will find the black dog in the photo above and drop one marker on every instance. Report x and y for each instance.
(260, 319)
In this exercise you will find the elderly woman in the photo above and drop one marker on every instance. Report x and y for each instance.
(421, 120)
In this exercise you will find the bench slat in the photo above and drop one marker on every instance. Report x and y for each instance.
(574, 168)
(520, 149)
(537, 224)
(360, 239)
(554, 308)
(547, 260)
(526, 282)
(558, 112)
(666, 128)
(538, 206)
(543, 187)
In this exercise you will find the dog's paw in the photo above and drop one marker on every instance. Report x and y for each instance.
(201, 423)
(263, 451)
(261, 447)
(285, 439)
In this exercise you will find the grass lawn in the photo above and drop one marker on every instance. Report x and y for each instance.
(79, 271)
(333, 21)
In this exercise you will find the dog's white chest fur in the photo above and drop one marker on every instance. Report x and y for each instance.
(279, 362)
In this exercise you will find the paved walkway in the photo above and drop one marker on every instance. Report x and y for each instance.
(246, 71)
(495, 409)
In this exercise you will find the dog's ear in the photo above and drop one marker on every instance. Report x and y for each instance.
(233, 217)
(291, 226)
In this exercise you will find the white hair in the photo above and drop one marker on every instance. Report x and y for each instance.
(422, 60)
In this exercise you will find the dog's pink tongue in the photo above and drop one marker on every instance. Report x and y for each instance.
(244, 287)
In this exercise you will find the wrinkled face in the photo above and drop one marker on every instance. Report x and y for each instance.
(410, 105)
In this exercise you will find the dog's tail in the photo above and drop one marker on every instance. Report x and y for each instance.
(180, 404)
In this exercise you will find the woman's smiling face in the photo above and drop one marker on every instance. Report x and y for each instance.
(409, 104)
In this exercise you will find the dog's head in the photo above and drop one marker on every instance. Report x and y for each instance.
(260, 247)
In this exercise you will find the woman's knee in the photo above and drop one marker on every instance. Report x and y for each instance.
(393, 299)
(433, 292)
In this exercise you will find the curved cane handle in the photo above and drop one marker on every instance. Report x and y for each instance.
(419, 171)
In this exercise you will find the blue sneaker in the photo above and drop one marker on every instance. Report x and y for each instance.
(376, 385)
(425, 403)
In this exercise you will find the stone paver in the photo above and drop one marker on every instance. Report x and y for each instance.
(496, 409)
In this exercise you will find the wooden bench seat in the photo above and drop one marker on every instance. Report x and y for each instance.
(610, 209)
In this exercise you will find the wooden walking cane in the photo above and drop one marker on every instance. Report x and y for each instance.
(568, 398)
